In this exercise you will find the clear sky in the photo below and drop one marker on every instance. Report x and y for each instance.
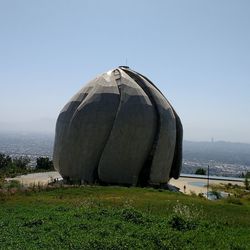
(196, 52)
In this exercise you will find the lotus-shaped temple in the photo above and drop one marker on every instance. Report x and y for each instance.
(118, 129)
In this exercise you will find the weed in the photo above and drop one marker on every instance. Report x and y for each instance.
(133, 215)
(181, 224)
(33, 223)
(13, 184)
(235, 201)
(188, 212)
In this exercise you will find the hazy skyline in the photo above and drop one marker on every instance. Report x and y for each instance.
(196, 52)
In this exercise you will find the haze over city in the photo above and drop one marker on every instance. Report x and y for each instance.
(196, 52)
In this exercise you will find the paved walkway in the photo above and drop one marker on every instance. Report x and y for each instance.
(196, 185)
(37, 178)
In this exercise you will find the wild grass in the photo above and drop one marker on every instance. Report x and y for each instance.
(95, 217)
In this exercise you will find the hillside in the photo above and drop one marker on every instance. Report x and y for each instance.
(35, 144)
(120, 218)
(219, 151)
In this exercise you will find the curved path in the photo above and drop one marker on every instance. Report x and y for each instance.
(37, 178)
(196, 185)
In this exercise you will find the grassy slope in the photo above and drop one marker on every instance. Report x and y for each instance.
(120, 218)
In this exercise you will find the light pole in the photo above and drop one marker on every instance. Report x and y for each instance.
(207, 179)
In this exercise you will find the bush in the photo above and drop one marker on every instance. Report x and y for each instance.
(200, 171)
(14, 184)
(2, 182)
(216, 193)
(5, 160)
(12, 167)
(132, 215)
(33, 223)
(21, 162)
(181, 224)
(246, 175)
(246, 183)
(234, 201)
(44, 163)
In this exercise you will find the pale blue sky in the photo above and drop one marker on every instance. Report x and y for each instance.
(196, 52)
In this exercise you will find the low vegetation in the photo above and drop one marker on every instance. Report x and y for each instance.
(233, 190)
(11, 167)
(200, 171)
(94, 217)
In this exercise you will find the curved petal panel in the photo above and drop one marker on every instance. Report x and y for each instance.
(165, 140)
(88, 131)
(131, 137)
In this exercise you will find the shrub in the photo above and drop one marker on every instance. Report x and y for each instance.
(21, 162)
(187, 212)
(185, 217)
(234, 201)
(2, 182)
(216, 193)
(33, 223)
(12, 167)
(5, 160)
(44, 163)
(246, 183)
(181, 224)
(132, 215)
(200, 195)
(192, 193)
(13, 184)
(200, 171)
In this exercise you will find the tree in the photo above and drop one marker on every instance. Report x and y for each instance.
(21, 162)
(200, 171)
(10, 167)
(5, 160)
(44, 163)
(246, 182)
(247, 175)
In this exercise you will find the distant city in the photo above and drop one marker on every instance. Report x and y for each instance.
(224, 158)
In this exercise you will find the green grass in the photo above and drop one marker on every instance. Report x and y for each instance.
(120, 218)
